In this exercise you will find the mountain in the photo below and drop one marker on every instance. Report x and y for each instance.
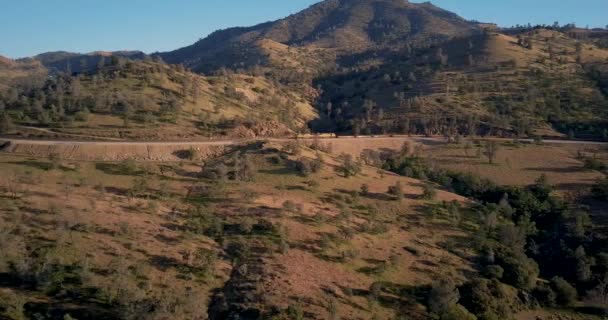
(387, 66)
(340, 26)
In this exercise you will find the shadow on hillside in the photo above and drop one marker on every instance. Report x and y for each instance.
(279, 171)
(571, 169)
(44, 166)
(116, 169)
(395, 296)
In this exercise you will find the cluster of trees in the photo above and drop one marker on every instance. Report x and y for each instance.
(525, 234)
(241, 167)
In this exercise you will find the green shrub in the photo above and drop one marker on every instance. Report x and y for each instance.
(600, 190)
(443, 297)
(566, 294)
(348, 166)
(545, 295)
(128, 167)
(429, 192)
(458, 312)
(494, 272)
(396, 190)
(519, 270)
(489, 299)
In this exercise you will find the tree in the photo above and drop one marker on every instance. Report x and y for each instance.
(441, 58)
(348, 166)
(519, 270)
(599, 294)
(467, 147)
(488, 299)
(6, 123)
(55, 161)
(600, 190)
(429, 192)
(566, 293)
(583, 267)
(458, 312)
(396, 190)
(364, 189)
(470, 60)
(128, 167)
(490, 150)
(443, 297)
(245, 169)
(101, 63)
(303, 165)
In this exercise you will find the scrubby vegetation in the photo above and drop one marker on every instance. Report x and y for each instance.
(525, 235)
(297, 227)
(134, 97)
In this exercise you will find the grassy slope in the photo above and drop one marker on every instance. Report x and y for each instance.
(141, 240)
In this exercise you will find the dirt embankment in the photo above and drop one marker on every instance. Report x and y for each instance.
(354, 146)
(175, 151)
(108, 151)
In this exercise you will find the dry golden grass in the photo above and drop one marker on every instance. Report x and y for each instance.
(524, 164)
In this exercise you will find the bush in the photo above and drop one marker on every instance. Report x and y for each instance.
(307, 167)
(489, 299)
(348, 167)
(429, 192)
(217, 172)
(458, 312)
(12, 305)
(566, 294)
(292, 148)
(128, 167)
(443, 297)
(6, 123)
(600, 190)
(192, 154)
(545, 295)
(594, 164)
(519, 270)
(494, 272)
(364, 189)
(396, 190)
(245, 169)
(82, 116)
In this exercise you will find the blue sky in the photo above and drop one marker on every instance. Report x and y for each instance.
(29, 27)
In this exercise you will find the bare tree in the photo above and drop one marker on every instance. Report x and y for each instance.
(491, 150)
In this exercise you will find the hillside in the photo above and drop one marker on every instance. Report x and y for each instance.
(421, 67)
(151, 100)
(25, 73)
(288, 231)
(537, 82)
(204, 251)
